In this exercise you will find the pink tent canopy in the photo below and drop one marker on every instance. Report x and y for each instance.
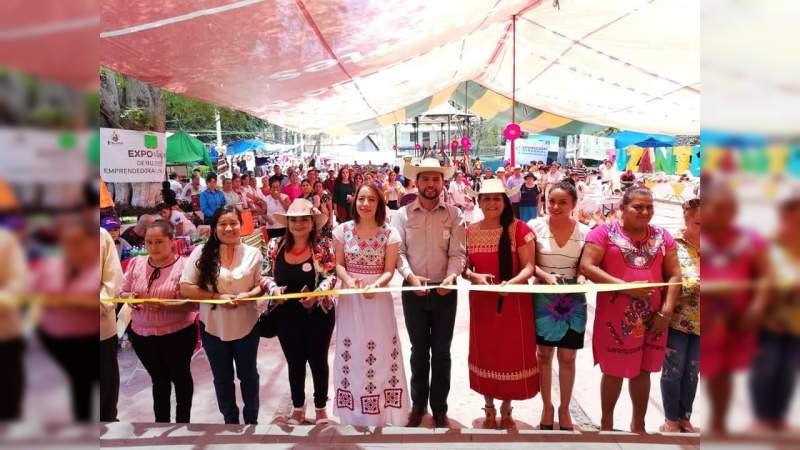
(316, 65)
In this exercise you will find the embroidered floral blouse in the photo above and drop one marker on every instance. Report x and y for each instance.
(324, 258)
(686, 317)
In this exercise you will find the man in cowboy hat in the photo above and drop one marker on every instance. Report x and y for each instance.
(432, 250)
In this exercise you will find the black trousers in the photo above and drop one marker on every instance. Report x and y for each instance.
(305, 336)
(109, 379)
(430, 320)
(78, 358)
(168, 359)
(12, 379)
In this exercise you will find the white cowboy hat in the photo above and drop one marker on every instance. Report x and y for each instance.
(500, 169)
(301, 207)
(427, 165)
(493, 186)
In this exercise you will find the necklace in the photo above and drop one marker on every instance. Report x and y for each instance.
(298, 253)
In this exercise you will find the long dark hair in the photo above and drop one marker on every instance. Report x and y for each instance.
(208, 263)
(288, 237)
(504, 246)
(504, 260)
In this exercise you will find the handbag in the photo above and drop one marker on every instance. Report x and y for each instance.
(269, 321)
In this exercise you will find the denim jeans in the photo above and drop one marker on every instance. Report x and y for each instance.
(773, 374)
(221, 357)
(430, 320)
(679, 374)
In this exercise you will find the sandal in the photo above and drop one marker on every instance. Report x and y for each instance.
(298, 416)
(546, 427)
(687, 427)
(561, 427)
(321, 417)
(490, 422)
(506, 421)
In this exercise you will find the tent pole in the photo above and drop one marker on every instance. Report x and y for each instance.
(513, 82)
(395, 141)
(416, 135)
(447, 143)
(219, 127)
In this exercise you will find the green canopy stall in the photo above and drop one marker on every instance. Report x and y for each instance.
(185, 149)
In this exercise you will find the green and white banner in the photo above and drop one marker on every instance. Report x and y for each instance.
(128, 156)
(31, 155)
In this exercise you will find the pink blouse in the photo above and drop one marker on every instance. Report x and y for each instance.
(51, 277)
(293, 191)
(152, 320)
(629, 260)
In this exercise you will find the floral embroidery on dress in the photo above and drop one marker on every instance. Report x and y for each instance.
(639, 255)
(370, 404)
(393, 398)
(486, 241)
(344, 399)
(503, 376)
(365, 256)
(634, 318)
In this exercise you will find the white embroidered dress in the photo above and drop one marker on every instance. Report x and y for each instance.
(369, 378)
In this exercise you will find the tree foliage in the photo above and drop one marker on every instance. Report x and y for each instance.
(198, 118)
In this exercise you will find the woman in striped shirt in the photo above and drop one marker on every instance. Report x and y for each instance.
(163, 334)
(560, 318)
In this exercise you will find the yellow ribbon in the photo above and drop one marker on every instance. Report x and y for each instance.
(508, 288)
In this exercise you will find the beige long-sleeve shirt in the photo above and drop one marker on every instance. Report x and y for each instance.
(110, 283)
(13, 281)
(433, 243)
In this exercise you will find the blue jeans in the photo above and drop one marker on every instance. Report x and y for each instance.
(221, 357)
(679, 374)
(773, 374)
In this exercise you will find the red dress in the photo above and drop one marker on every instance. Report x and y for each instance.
(502, 347)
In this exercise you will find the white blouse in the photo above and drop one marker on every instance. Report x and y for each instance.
(245, 274)
(554, 259)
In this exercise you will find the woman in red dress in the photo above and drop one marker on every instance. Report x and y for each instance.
(502, 339)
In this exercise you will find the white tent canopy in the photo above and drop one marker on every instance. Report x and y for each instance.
(316, 65)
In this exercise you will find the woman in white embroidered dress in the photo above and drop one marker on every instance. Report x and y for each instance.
(369, 375)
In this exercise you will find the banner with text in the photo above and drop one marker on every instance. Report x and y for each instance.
(533, 149)
(128, 156)
(586, 146)
(43, 156)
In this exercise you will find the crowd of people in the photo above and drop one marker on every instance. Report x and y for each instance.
(189, 204)
(432, 224)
